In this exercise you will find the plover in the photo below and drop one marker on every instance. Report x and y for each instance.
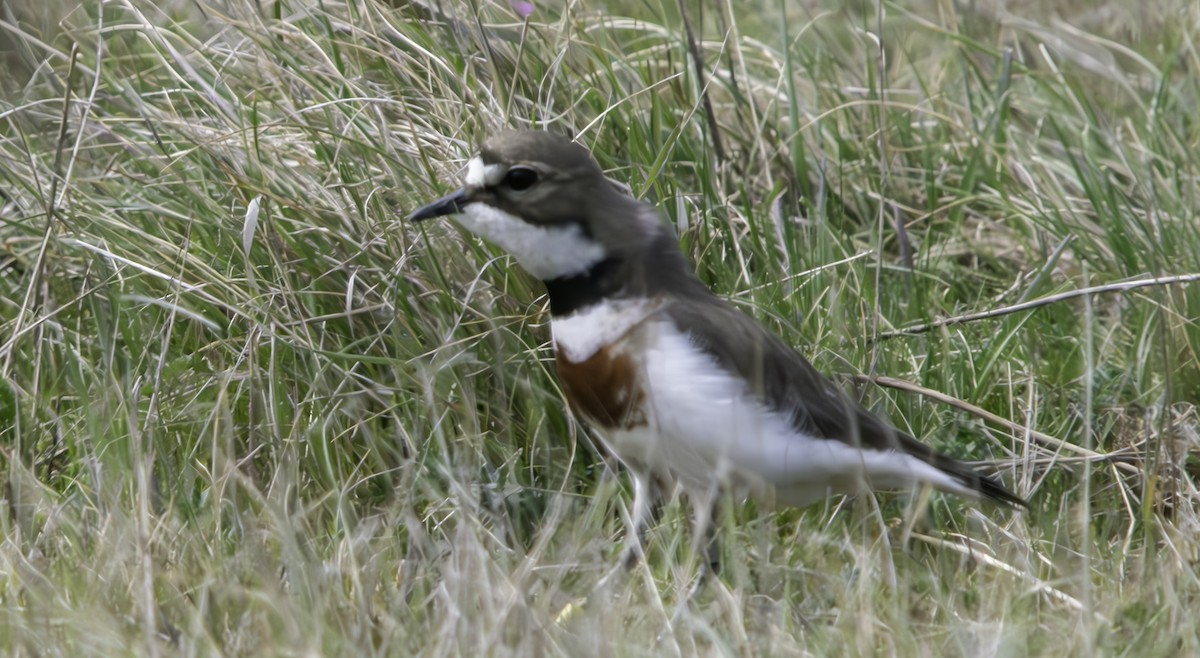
(681, 385)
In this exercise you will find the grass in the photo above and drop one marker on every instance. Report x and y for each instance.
(246, 410)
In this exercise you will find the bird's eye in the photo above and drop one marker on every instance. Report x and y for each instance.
(519, 179)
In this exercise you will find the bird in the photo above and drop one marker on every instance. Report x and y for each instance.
(682, 387)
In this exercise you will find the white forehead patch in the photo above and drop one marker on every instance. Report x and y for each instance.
(545, 252)
(479, 174)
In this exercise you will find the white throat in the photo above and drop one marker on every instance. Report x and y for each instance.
(547, 252)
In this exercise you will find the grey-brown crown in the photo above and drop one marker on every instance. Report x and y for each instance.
(554, 152)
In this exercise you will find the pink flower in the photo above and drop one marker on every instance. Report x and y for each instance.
(523, 8)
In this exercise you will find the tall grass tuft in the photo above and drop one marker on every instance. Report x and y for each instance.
(247, 410)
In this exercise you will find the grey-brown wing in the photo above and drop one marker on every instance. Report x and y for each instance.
(786, 382)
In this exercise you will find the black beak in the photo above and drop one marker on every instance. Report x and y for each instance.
(448, 205)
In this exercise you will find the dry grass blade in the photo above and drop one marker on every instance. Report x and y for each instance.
(1019, 431)
(1121, 286)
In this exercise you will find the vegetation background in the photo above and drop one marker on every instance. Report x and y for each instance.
(246, 410)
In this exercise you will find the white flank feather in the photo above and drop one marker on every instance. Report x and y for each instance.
(706, 428)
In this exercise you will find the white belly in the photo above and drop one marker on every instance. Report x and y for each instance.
(705, 427)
